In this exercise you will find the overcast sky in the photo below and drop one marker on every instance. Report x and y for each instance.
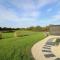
(25, 13)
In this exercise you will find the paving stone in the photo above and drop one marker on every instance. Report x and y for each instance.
(49, 43)
(49, 55)
(46, 47)
(46, 51)
(57, 59)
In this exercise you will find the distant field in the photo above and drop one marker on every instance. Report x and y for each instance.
(18, 48)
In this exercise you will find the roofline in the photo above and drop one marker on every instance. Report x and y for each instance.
(54, 25)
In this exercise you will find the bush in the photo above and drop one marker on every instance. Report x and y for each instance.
(17, 34)
(57, 42)
(0, 35)
(20, 34)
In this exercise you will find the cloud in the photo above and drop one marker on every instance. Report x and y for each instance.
(42, 3)
(10, 15)
(56, 17)
(24, 4)
(32, 4)
(30, 7)
(23, 12)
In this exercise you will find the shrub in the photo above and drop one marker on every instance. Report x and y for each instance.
(0, 35)
(15, 34)
(21, 33)
(57, 42)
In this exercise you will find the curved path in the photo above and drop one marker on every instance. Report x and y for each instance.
(43, 50)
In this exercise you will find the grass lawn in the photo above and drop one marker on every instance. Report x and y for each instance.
(18, 48)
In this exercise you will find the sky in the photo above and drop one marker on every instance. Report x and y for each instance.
(26, 13)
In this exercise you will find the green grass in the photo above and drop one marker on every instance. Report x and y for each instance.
(18, 48)
(8, 35)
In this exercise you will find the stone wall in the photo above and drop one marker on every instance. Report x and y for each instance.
(55, 29)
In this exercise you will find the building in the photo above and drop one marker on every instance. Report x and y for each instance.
(55, 29)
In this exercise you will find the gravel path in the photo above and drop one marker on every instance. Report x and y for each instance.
(45, 50)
